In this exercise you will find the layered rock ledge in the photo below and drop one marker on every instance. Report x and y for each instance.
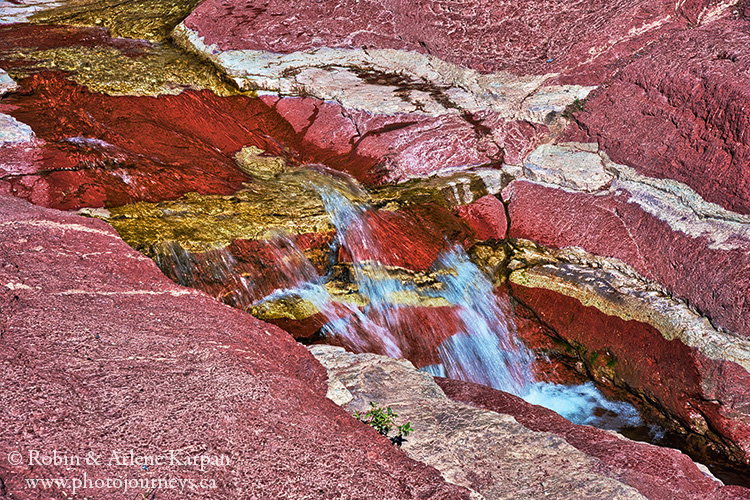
(645, 173)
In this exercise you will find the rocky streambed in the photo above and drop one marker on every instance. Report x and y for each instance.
(549, 206)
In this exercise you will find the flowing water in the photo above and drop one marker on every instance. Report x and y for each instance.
(483, 347)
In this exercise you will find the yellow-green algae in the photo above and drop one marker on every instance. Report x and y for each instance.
(198, 222)
(141, 19)
(251, 160)
(152, 69)
(297, 308)
(449, 191)
(279, 198)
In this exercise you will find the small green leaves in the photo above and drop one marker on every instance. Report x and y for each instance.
(383, 420)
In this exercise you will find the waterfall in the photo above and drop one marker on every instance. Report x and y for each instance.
(470, 337)
(485, 349)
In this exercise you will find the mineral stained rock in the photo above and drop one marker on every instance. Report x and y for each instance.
(678, 111)
(647, 173)
(658, 230)
(710, 267)
(520, 37)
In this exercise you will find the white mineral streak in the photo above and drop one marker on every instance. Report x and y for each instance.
(577, 167)
(7, 84)
(14, 132)
(20, 11)
(339, 75)
(616, 289)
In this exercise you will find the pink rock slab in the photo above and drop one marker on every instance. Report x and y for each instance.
(101, 353)
(527, 37)
(679, 111)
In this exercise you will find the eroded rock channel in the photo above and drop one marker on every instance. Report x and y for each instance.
(443, 224)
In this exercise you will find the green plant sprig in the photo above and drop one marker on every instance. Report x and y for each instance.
(383, 420)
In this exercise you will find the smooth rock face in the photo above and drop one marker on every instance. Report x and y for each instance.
(678, 111)
(482, 450)
(486, 216)
(387, 81)
(657, 473)
(19, 153)
(102, 353)
(710, 397)
(655, 345)
(104, 150)
(569, 166)
(573, 195)
(406, 90)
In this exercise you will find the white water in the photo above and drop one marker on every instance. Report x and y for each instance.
(583, 404)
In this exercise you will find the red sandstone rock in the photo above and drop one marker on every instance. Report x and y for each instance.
(411, 238)
(409, 145)
(679, 111)
(678, 378)
(716, 281)
(486, 217)
(101, 353)
(658, 473)
(521, 37)
(106, 150)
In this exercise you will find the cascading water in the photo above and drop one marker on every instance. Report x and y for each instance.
(484, 351)
(481, 348)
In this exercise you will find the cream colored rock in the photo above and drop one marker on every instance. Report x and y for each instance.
(14, 132)
(582, 167)
(485, 451)
(347, 76)
(22, 10)
(573, 166)
(7, 84)
(617, 289)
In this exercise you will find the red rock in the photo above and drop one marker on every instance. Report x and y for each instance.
(411, 238)
(691, 387)
(521, 37)
(105, 150)
(244, 271)
(486, 217)
(418, 331)
(409, 145)
(716, 281)
(658, 473)
(678, 111)
(19, 36)
(101, 353)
